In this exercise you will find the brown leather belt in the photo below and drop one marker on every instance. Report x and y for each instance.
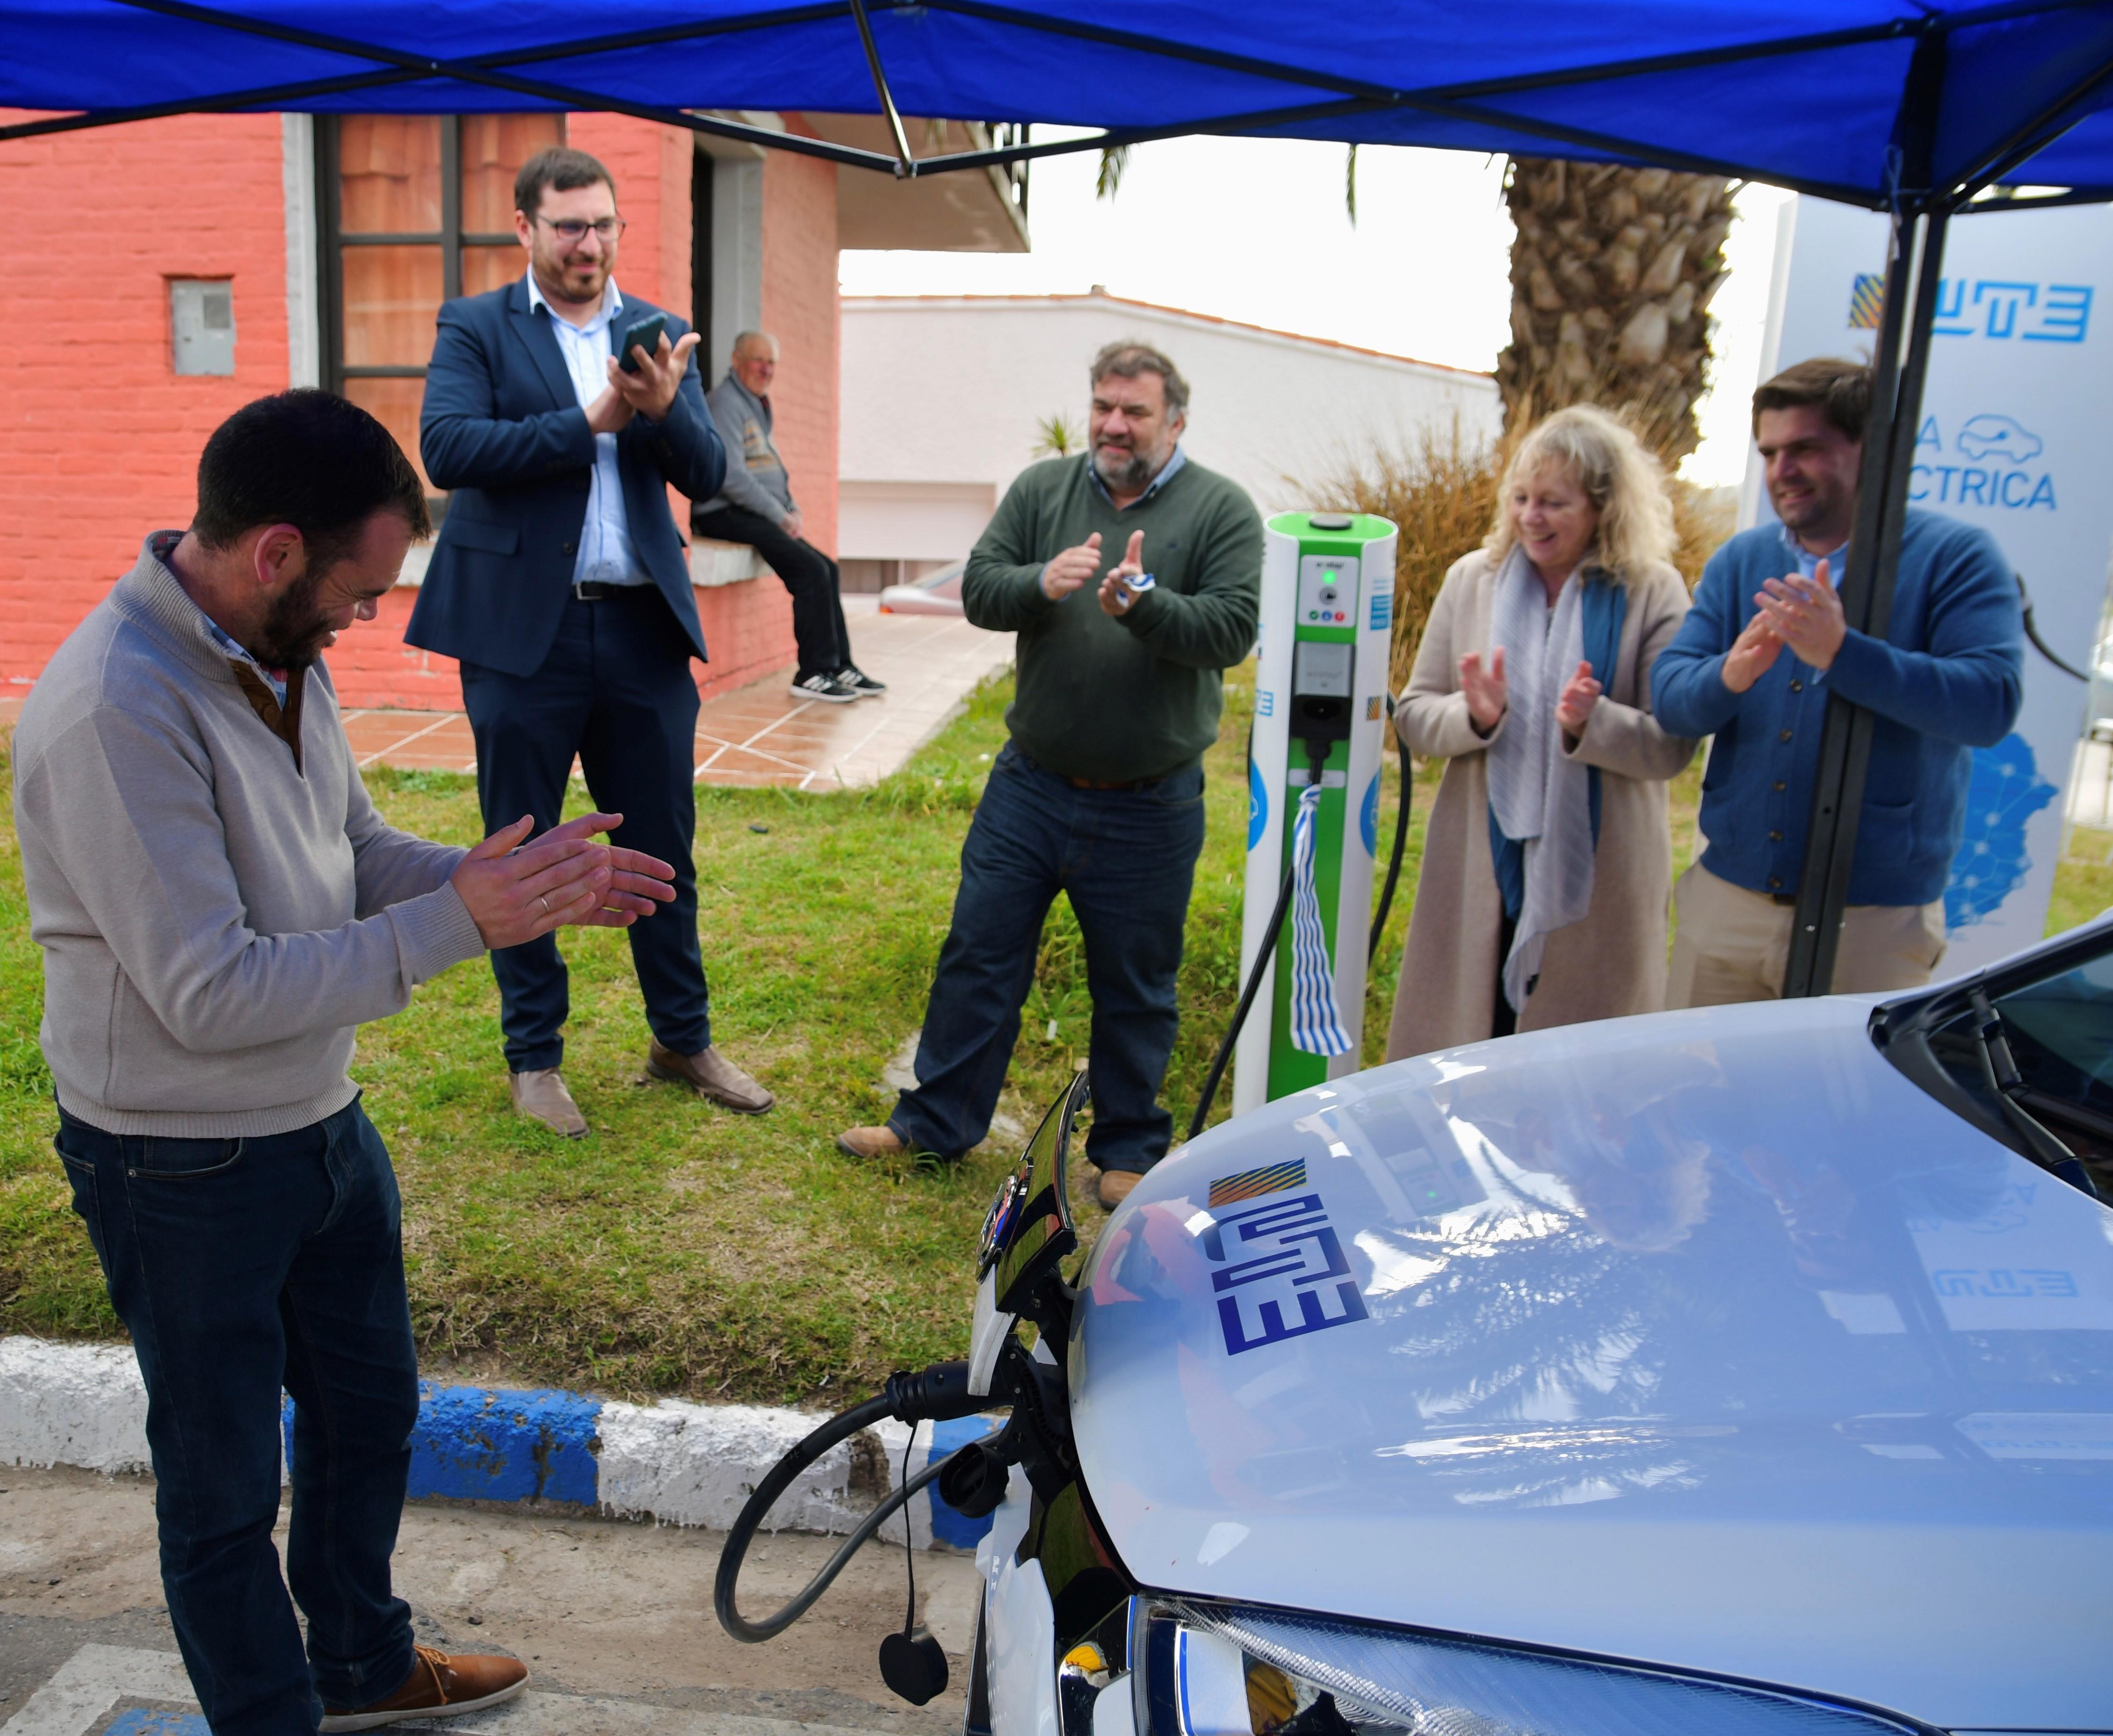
(1094, 783)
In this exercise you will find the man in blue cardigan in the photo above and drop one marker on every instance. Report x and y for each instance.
(1753, 664)
(560, 583)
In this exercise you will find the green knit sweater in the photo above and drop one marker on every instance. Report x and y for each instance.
(1129, 697)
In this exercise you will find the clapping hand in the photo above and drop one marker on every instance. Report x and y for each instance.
(1485, 689)
(1117, 595)
(516, 894)
(1807, 615)
(1752, 655)
(1067, 571)
(650, 391)
(1573, 710)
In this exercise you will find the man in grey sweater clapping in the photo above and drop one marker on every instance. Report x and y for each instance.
(220, 908)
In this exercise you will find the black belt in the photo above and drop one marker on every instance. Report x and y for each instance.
(599, 591)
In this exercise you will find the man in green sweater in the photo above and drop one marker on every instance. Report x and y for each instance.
(1099, 795)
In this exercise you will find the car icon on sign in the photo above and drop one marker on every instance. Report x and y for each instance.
(1987, 436)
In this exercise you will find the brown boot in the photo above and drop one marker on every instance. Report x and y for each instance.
(539, 1093)
(440, 1687)
(870, 1142)
(710, 1073)
(1114, 1186)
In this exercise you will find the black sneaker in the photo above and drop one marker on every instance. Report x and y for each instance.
(827, 689)
(851, 676)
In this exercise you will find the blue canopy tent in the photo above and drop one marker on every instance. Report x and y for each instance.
(1923, 111)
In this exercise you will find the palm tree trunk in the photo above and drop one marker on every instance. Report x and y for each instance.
(1613, 270)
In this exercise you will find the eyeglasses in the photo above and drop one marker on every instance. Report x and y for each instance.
(572, 230)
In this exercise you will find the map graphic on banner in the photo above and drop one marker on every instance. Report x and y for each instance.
(2011, 439)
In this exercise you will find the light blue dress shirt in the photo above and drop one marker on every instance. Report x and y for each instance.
(1167, 472)
(605, 555)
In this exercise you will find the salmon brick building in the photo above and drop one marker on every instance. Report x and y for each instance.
(183, 266)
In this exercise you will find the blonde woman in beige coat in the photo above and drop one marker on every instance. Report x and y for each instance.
(1548, 861)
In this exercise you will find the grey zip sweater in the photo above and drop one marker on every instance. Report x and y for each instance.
(756, 479)
(216, 920)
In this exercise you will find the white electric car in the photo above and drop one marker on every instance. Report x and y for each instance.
(1730, 1371)
(1745, 1371)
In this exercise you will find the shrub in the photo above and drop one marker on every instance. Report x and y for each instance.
(1439, 491)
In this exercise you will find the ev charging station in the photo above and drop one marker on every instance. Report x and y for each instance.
(1320, 693)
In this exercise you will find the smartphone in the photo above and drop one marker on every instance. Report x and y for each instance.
(645, 335)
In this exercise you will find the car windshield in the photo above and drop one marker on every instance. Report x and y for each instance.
(2024, 1046)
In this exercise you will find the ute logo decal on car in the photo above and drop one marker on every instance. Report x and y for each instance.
(1287, 1245)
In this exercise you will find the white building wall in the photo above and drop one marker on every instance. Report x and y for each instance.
(942, 396)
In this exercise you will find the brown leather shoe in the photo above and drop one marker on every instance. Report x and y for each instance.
(440, 1685)
(1114, 1186)
(870, 1142)
(539, 1093)
(710, 1073)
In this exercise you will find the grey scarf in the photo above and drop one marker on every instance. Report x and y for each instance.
(1538, 794)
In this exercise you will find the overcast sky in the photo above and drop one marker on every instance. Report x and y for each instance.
(1255, 230)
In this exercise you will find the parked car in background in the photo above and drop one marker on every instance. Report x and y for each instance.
(936, 593)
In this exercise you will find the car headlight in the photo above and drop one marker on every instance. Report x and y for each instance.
(1221, 1669)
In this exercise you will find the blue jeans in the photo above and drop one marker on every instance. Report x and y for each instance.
(242, 1266)
(1126, 859)
(616, 690)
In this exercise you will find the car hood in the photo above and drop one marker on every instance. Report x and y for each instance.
(1705, 1339)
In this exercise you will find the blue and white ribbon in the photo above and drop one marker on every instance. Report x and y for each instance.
(1316, 1025)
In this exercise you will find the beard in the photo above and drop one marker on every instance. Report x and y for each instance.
(295, 628)
(1124, 468)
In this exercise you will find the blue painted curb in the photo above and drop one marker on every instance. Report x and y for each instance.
(478, 1443)
(955, 1528)
(139, 1722)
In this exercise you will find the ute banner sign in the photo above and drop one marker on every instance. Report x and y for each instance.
(2012, 438)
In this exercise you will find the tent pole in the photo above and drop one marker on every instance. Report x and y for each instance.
(1915, 255)
(905, 166)
(1867, 600)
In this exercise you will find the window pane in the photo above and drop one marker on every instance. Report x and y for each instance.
(391, 295)
(493, 146)
(395, 405)
(389, 171)
(488, 267)
(2062, 1035)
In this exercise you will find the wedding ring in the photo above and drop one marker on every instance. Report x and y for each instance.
(544, 902)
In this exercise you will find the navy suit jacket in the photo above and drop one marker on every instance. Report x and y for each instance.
(503, 430)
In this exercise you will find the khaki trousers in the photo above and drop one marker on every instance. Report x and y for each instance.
(1732, 944)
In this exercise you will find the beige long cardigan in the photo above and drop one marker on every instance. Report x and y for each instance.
(1612, 962)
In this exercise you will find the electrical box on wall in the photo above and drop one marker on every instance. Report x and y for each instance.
(201, 325)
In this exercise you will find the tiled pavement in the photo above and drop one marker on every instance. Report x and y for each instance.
(759, 734)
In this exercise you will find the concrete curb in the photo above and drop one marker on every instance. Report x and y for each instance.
(675, 1462)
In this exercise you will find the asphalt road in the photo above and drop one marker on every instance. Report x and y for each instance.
(614, 1620)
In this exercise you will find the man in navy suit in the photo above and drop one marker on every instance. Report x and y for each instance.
(561, 585)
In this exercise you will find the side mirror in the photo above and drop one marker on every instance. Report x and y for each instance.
(1030, 1227)
(1026, 1236)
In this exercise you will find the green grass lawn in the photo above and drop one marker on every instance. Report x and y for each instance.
(681, 1249)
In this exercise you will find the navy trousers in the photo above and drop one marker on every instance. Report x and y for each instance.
(616, 691)
(239, 1266)
(1126, 859)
